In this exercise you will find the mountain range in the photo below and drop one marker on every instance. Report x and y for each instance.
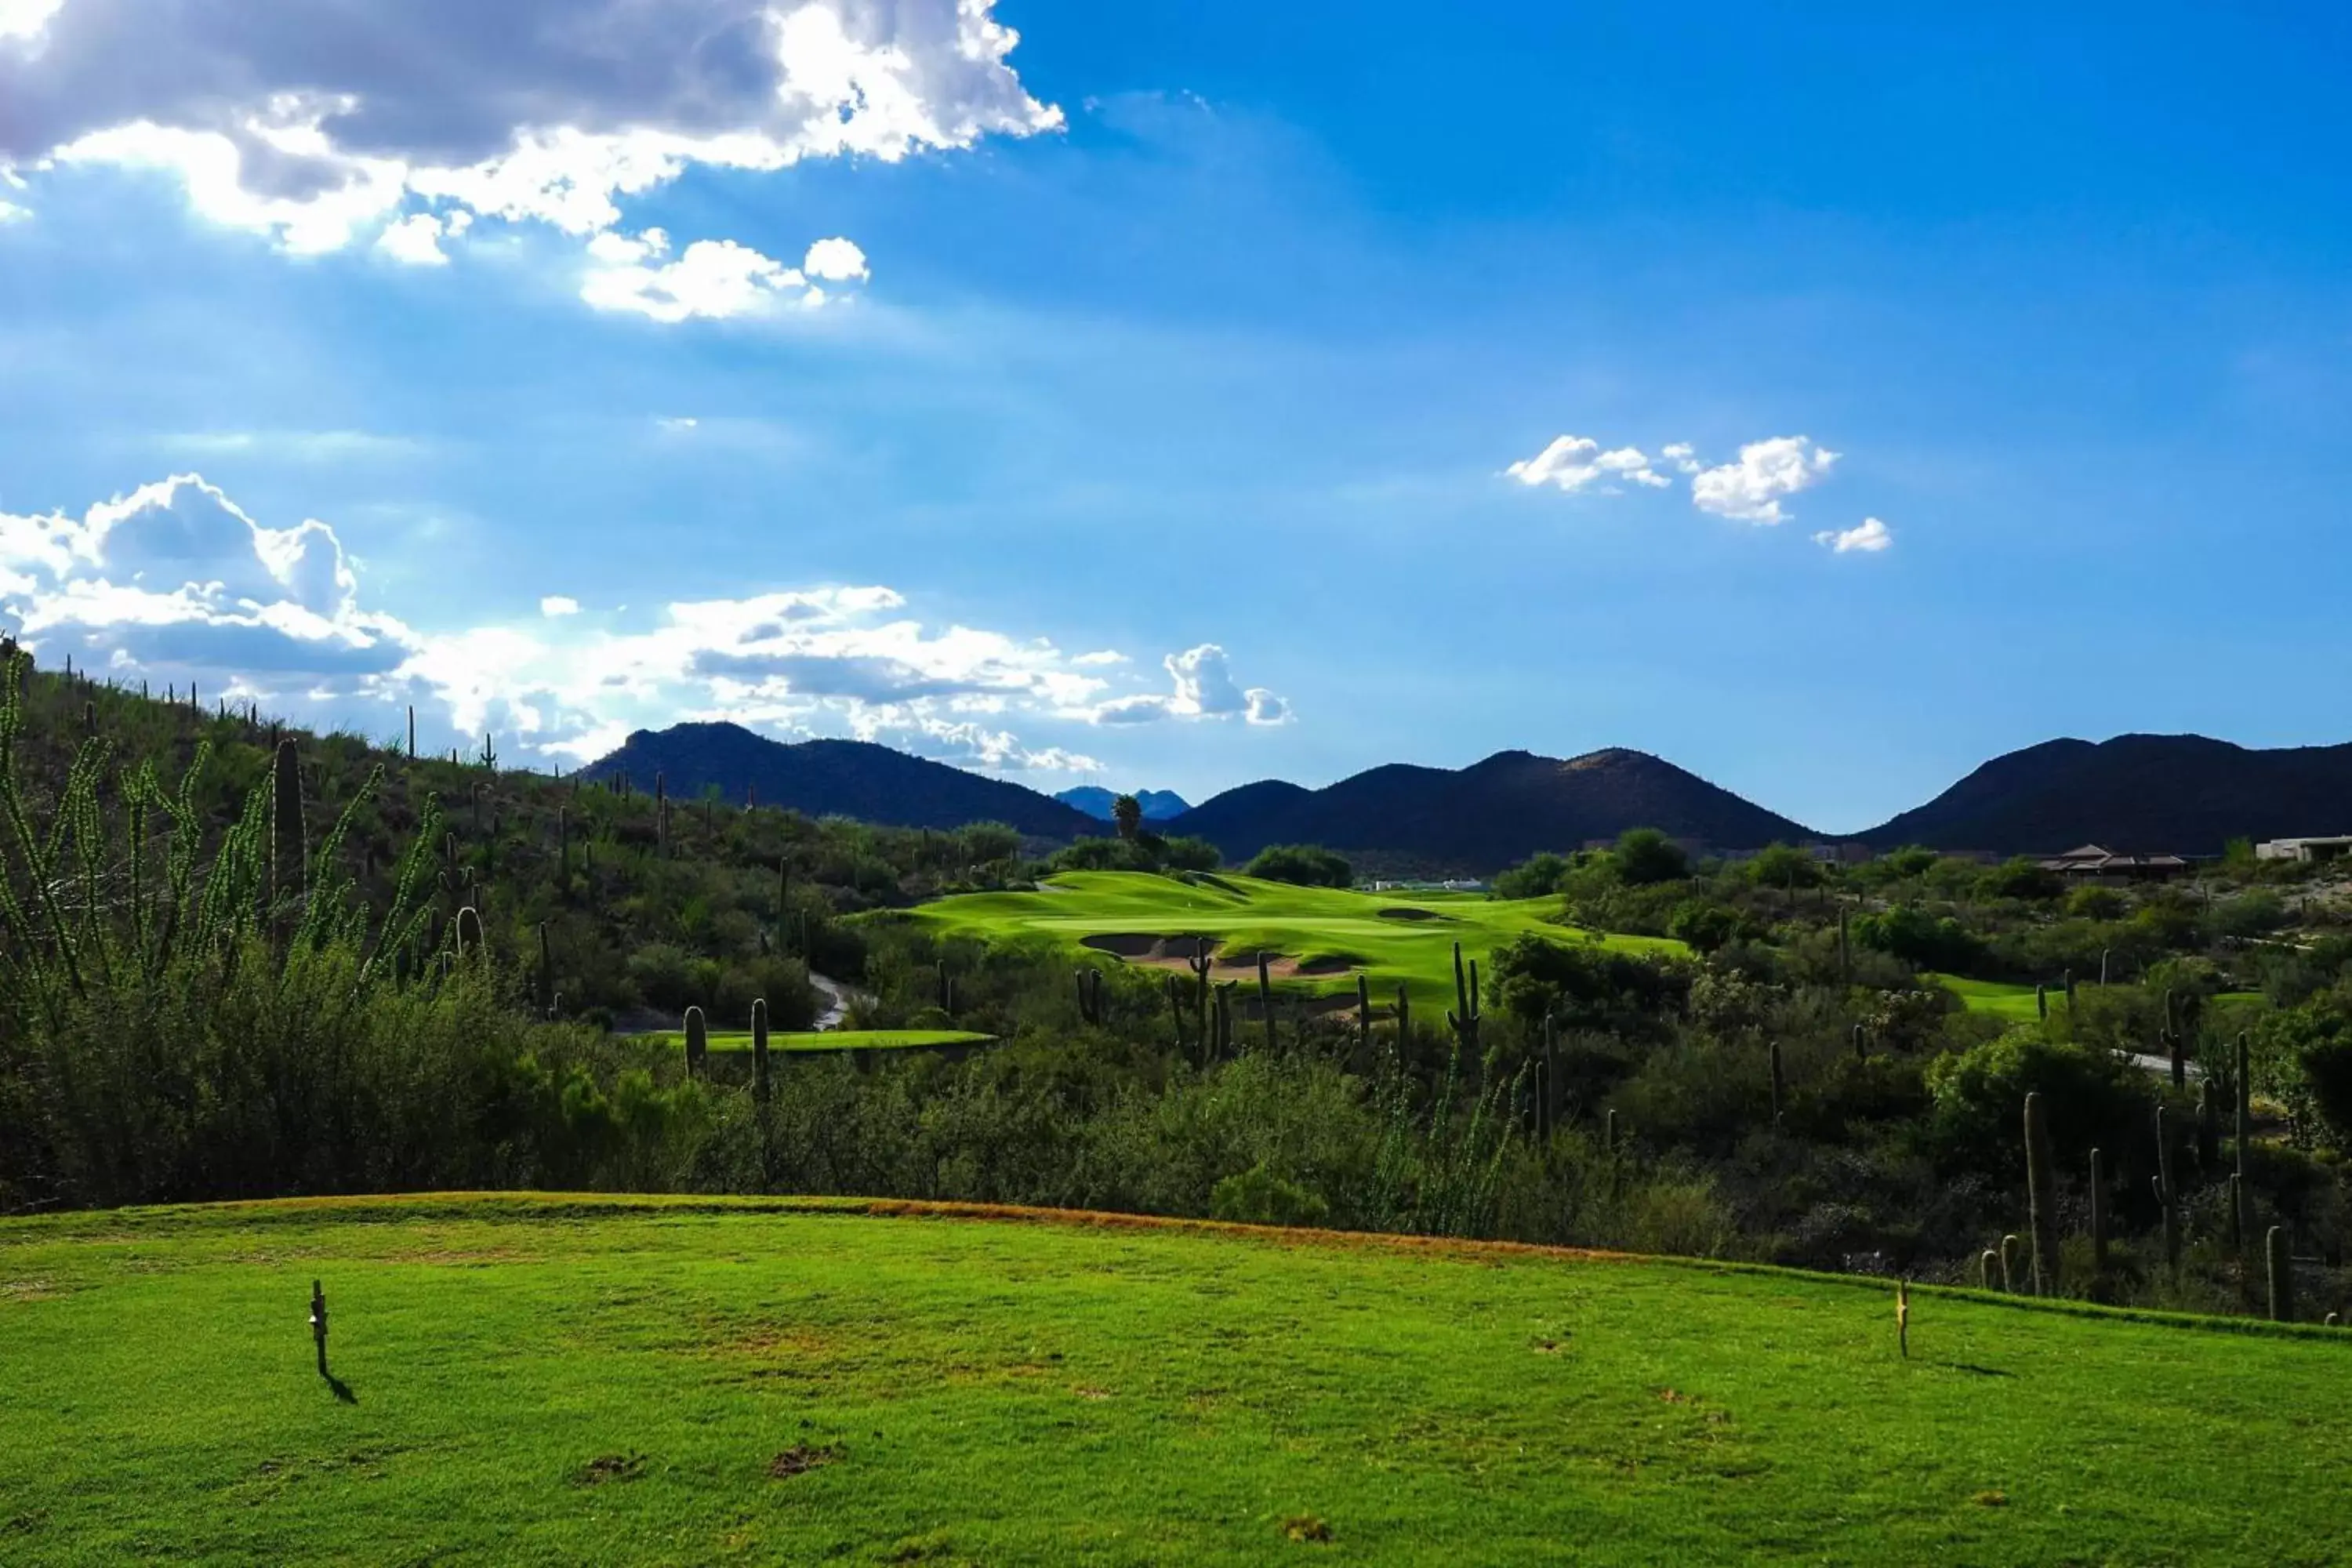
(2135, 794)
(1159, 804)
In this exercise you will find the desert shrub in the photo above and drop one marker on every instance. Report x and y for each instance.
(1258, 1197)
(1979, 1099)
(1308, 864)
(1536, 877)
(1643, 856)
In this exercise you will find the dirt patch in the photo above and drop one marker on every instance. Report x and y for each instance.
(28, 1290)
(607, 1467)
(1306, 1526)
(1406, 913)
(799, 1460)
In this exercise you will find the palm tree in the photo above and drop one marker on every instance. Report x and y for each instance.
(1128, 812)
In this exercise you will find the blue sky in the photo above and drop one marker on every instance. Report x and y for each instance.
(1205, 335)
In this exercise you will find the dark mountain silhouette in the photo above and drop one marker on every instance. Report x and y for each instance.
(833, 778)
(1486, 817)
(2180, 794)
(1159, 804)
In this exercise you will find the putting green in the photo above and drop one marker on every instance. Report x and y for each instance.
(1324, 936)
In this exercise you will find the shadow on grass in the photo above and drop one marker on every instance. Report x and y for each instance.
(1975, 1370)
(343, 1390)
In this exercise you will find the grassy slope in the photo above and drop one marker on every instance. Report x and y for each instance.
(1303, 922)
(835, 1040)
(2006, 999)
(996, 1391)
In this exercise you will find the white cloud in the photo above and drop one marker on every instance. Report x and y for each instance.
(1869, 538)
(1100, 656)
(675, 425)
(1575, 463)
(1751, 489)
(174, 582)
(315, 124)
(836, 261)
(11, 213)
(713, 277)
(1204, 688)
(1682, 456)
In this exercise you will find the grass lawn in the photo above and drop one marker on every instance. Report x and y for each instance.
(554, 1380)
(833, 1039)
(2015, 1001)
(1331, 933)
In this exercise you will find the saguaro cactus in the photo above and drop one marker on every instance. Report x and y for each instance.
(1780, 1087)
(1861, 1044)
(469, 934)
(1405, 1019)
(286, 825)
(1987, 1268)
(1845, 951)
(1266, 999)
(2070, 992)
(546, 971)
(760, 1086)
(1089, 982)
(947, 989)
(1363, 1015)
(2241, 1189)
(698, 1042)
(2041, 1196)
(2008, 1245)
(2209, 1127)
(2102, 966)
(2174, 1049)
(1465, 1019)
(661, 814)
(2282, 1274)
(2040, 1001)
(2168, 1196)
(2098, 1212)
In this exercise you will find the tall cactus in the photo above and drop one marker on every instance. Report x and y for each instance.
(2282, 1274)
(1405, 1020)
(698, 1042)
(1845, 951)
(2178, 1056)
(1364, 1016)
(564, 851)
(2208, 1126)
(1089, 982)
(1464, 1020)
(1861, 1044)
(286, 838)
(1203, 961)
(469, 934)
(2070, 992)
(2168, 1196)
(2102, 966)
(661, 814)
(2041, 1196)
(2098, 1213)
(947, 988)
(1780, 1087)
(546, 971)
(1266, 999)
(2042, 1001)
(2008, 1247)
(759, 1085)
(2242, 1194)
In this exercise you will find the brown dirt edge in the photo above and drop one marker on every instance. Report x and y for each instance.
(390, 1208)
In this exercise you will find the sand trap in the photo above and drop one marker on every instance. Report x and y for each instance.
(1176, 952)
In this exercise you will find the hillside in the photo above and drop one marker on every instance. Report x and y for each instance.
(2182, 794)
(1159, 804)
(833, 778)
(618, 1380)
(1486, 817)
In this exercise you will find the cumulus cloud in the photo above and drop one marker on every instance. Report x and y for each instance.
(174, 582)
(1205, 688)
(1751, 489)
(1682, 456)
(11, 213)
(1575, 463)
(317, 124)
(1870, 537)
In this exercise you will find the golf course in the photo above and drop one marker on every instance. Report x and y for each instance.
(525, 1378)
(1317, 939)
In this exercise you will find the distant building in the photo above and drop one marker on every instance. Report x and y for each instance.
(2096, 863)
(2333, 847)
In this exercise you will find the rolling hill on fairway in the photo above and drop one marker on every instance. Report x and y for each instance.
(2182, 794)
(1318, 937)
(833, 778)
(577, 1379)
(1489, 815)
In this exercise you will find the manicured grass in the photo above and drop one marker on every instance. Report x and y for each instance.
(2007, 1000)
(835, 1040)
(1344, 929)
(556, 1379)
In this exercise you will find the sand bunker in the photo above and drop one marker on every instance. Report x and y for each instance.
(1176, 952)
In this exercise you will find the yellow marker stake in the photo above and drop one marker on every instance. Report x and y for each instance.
(1903, 1316)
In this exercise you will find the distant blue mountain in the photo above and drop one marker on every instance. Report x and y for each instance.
(1159, 804)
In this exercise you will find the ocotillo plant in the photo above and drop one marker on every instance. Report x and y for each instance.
(698, 1042)
(760, 1051)
(2241, 1083)
(2041, 1196)
(1266, 999)
(2098, 1212)
(2282, 1274)
(1464, 1020)
(2168, 1196)
(285, 826)
(1780, 1087)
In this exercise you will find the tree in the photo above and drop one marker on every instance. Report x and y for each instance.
(1308, 865)
(1784, 866)
(1127, 812)
(1535, 878)
(1645, 856)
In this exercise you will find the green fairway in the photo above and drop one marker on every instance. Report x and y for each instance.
(2005, 999)
(836, 1039)
(556, 1379)
(1326, 935)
